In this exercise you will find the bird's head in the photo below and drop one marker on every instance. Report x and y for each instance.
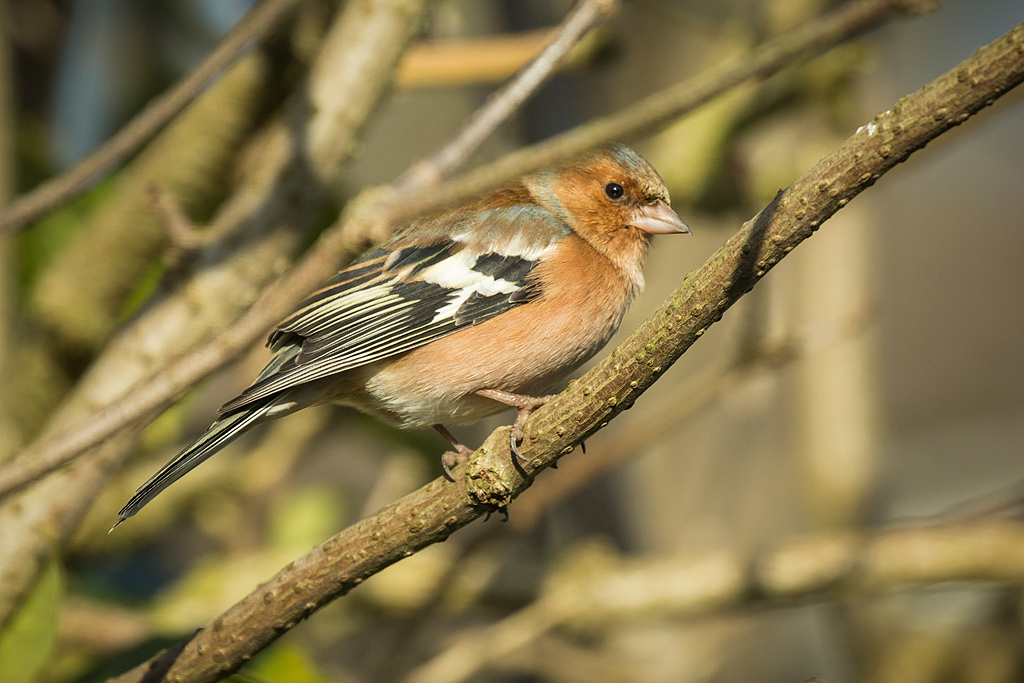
(613, 198)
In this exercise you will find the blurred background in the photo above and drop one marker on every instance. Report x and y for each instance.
(875, 377)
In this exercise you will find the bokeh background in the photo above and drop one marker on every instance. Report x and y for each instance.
(876, 377)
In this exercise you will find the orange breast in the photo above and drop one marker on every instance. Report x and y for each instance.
(525, 350)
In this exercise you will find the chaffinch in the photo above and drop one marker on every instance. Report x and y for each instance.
(463, 312)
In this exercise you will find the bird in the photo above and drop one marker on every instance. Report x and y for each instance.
(463, 312)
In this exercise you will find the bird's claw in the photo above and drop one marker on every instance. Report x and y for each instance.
(449, 459)
(503, 509)
(513, 444)
(524, 405)
(452, 459)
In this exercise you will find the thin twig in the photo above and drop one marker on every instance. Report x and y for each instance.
(182, 233)
(500, 106)
(493, 478)
(158, 113)
(371, 214)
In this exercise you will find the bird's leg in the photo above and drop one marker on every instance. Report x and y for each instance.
(450, 459)
(524, 405)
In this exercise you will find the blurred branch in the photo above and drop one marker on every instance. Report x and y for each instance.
(79, 304)
(836, 441)
(101, 627)
(184, 238)
(600, 593)
(370, 216)
(492, 477)
(282, 193)
(60, 189)
(468, 61)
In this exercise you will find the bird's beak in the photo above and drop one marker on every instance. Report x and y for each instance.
(658, 219)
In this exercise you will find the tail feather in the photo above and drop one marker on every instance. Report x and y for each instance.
(219, 435)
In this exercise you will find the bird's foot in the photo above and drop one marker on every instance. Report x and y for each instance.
(524, 405)
(452, 459)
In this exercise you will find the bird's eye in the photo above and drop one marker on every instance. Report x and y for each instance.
(614, 190)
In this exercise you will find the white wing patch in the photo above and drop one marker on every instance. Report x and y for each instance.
(456, 273)
(486, 287)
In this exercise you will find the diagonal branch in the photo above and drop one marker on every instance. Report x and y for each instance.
(370, 216)
(492, 478)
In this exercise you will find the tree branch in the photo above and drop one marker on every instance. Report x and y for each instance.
(147, 123)
(370, 216)
(492, 477)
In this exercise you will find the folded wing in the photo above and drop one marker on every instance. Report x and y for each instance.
(402, 296)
